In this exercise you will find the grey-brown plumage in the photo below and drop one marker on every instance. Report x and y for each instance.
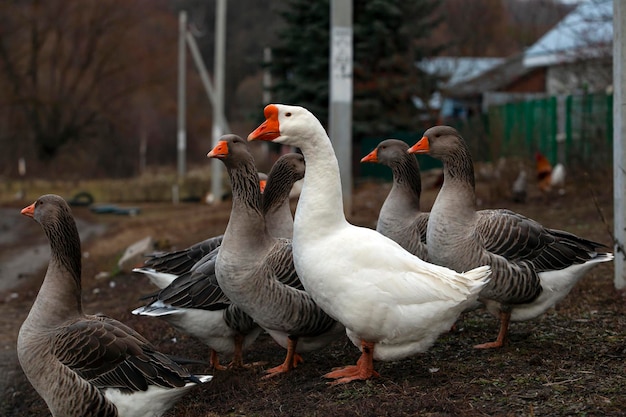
(533, 267)
(85, 365)
(195, 303)
(400, 217)
(181, 261)
(253, 267)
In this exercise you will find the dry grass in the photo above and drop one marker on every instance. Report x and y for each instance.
(570, 362)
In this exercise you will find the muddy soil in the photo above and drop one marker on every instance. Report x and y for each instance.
(569, 362)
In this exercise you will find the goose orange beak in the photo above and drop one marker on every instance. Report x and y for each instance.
(420, 147)
(29, 211)
(262, 184)
(219, 151)
(269, 129)
(371, 157)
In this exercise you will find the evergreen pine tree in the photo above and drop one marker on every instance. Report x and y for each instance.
(389, 37)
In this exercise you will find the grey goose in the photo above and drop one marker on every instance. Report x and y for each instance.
(400, 217)
(534, 267)
(255, 269)
(195, 304)
(88, 365)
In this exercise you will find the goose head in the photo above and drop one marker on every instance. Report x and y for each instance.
(48, 209)
(439, 142)
(389, 152)
(232, 150)
(288, 125)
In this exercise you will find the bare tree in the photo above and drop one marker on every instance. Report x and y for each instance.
(60, 64)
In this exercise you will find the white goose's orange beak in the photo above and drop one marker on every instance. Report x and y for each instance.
(29, 211)
(269, 129)
(421, 146)
(219, 151)
(371, 157)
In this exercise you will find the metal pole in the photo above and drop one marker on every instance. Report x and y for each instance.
(619, 140)
(204, 75)
(182, 133)
(218, 105)
(340, 116)
(267, 75)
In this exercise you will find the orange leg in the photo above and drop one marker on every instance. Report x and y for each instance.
(291, 360)
(505, 318)
(364, 368)
(237, 361)
(215, 361)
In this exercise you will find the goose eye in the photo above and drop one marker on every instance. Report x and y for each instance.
(288, 114)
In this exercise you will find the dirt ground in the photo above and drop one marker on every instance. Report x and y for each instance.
(570, 362)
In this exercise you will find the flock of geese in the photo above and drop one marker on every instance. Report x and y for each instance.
(305, 280)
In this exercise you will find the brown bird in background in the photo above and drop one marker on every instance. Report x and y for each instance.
(548, 176)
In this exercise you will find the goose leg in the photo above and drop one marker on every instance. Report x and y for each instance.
(364, 368)
(215, 361)
(291, 360)
(505, 318)
(237, 361)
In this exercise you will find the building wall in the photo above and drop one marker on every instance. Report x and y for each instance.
(532, 82)
(588, 76)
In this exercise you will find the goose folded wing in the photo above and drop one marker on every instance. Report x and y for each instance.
(421, 224)
(280, 259)
(512, 235)
(181, 261)
(520, 239)
(198, 289)
(110, 354)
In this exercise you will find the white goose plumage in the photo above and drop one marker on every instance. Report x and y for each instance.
(86, 365)
(533, 267)
(392, 303)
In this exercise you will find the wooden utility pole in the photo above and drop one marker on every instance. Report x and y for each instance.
(218, 104)
(340, 119)
(619, 140)
(181, 142)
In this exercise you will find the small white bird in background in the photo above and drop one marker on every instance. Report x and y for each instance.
(519, 191)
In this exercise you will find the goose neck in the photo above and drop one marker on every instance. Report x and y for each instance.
(60, 294)
(321, 199)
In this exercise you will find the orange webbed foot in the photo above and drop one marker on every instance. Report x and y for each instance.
(350, 373)
(489, 345)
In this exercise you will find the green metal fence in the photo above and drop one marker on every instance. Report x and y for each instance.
(589, 129)
(576, 130)
(585, 136)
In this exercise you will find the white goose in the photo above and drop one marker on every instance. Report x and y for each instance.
(85, 365)
(392, 303)
(533, 267)
(400, 217)
(194, 303)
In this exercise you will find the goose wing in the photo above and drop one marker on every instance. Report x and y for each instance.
(520, 239)
(198, 289)
(179, 262)
(108, 353)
